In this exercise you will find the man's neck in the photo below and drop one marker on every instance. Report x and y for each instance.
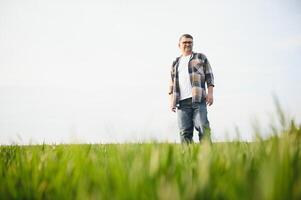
(186, 53)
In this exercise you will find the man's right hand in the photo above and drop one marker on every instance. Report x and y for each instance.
(173, 109)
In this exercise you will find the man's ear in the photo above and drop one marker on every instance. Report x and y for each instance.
(179, 45)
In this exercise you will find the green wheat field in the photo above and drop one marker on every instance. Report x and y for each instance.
(267, 168)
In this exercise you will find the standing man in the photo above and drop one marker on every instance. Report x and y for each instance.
(188, 96)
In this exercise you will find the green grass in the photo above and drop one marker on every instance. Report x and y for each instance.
(265, 169)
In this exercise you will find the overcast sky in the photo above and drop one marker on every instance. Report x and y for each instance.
(98, 71)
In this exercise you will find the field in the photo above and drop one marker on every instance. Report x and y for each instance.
(264, 169)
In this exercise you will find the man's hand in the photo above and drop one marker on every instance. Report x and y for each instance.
(209, 99)
(173, 109)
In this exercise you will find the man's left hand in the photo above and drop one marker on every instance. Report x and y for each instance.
(209, 99)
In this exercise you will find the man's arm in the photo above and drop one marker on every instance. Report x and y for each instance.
(209, 97)
(170, 92)
(172, 108)
(210, 82)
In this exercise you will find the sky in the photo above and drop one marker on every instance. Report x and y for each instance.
(98, 71)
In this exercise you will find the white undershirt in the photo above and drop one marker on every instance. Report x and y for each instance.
(184, 79)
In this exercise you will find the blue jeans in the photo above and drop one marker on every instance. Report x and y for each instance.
(190, 116)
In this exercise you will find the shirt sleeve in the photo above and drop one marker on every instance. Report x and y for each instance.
(209, 78)
(170, 91)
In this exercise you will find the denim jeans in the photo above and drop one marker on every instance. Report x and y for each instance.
(190, 116)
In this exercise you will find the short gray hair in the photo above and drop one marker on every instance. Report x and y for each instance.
(185, 36)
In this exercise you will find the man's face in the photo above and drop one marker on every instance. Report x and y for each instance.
(186, 45)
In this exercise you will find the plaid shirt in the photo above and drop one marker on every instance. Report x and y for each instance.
(200, 72)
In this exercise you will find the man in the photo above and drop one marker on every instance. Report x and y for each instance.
(188, 96)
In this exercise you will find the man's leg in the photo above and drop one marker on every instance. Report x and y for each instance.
(200, 120)
(185, 123)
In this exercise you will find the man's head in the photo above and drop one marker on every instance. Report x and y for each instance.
(186, 44)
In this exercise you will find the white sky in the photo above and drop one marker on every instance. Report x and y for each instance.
(98, 71)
